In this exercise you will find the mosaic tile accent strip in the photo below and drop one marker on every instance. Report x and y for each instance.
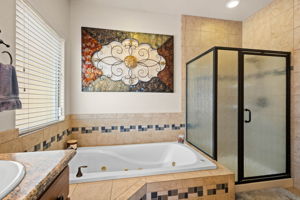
(37, 147)
(144, 197)
(124, 129)
(46, 144)
(190, 192)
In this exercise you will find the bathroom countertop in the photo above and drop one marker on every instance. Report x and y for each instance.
(41, 170)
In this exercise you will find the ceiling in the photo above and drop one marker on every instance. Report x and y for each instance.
(204, 8)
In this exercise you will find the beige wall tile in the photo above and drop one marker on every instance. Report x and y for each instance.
(279, 6)
(296, 83)
(296, 60)
(71, 189)
(12, 146)
(122, 185)
(8, 135)
(87, 139)
(32, 139)
(297, 38)
(94, 190)
(207, 24)
(235, 41)
(297, 15)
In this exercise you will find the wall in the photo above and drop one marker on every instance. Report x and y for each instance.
(52, 137)
(200, 34)
(271, 27)
(7, 10)
(276, 27)
(295, 97)
(56, 14)
(128, 20)
(120, 111)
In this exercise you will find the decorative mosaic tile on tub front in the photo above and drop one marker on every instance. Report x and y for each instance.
(188, 193)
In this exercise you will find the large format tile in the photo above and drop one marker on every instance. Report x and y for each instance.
(8, 135)
(95, 190)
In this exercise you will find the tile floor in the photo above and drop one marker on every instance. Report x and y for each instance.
(270, 194)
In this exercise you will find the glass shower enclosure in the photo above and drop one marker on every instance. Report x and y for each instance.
(238, 110)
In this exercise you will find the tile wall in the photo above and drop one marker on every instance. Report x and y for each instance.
(52, 137)
(113, 129)
(277, 27)
(101, 129)
(296, 97)
(200, 34)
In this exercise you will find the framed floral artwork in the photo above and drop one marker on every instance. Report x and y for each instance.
(121, 61)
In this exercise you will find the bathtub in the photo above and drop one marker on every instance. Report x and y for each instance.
(124, 161)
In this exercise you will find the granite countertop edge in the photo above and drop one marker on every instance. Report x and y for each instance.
(44, 184)
(47, 181)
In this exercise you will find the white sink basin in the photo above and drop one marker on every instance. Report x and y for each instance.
(11, 174)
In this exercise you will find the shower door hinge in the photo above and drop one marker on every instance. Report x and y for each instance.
(291, 68)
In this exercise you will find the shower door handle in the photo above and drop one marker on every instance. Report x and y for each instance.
(249, 115)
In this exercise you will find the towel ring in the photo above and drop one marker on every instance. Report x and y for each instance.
(11, 60)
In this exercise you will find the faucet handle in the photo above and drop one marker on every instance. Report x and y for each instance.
(79, 173)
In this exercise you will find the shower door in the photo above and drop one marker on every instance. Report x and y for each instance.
(263, 114)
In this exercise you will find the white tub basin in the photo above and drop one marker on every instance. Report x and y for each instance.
(11, 174)
(124, 161)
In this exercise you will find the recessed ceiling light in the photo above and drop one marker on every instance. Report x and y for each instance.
(232, 3)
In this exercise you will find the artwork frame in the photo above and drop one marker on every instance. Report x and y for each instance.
(122, 61)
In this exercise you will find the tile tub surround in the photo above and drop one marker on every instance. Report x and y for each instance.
(217, 184)
(98, 129)
(41, 169)
(52, 137)
(116, 129)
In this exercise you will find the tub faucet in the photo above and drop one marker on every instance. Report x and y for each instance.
(79, 173)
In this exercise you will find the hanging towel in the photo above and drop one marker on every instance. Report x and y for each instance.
(9, 90)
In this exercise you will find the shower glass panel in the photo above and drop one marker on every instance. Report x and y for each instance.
(265, 100)
(228, 108)
(238, 110)
(200, 103)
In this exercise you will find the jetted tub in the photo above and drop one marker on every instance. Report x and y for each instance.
(123, 161)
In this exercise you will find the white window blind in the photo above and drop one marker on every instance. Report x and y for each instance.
(40, 70)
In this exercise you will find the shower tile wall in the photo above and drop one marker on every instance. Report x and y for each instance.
(271, 27)
(277, 27)
(200, 34)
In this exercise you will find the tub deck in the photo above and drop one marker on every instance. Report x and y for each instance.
(216, 184)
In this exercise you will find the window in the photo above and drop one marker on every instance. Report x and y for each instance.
(40, 70)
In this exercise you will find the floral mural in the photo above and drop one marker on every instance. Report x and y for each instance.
(119, 61)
